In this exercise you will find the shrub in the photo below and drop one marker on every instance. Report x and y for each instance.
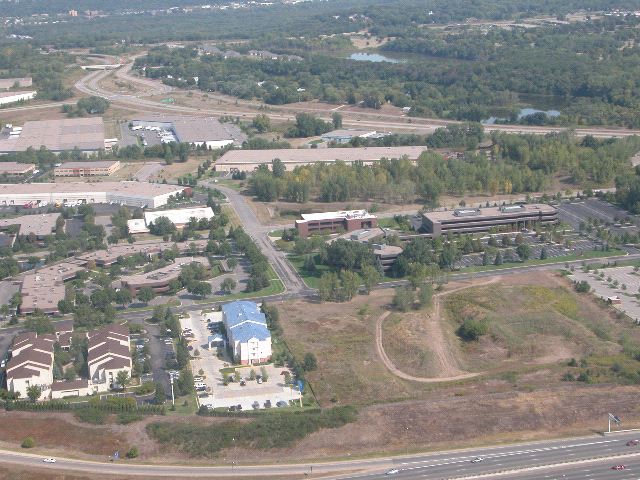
(472, 329)
(91, 415)
(28, 442)
(125, 418)
(133, 452)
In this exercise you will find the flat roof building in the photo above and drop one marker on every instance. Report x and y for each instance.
(136, 194)
(159, 279)
(343, 135)
(198, 131)
(41, 225)
(14, 169)
(250, 160)
(478, 220)
(333, 222)
(87, 134)
(180, 217)
(14, 97)
(102, 168)
(44, 288)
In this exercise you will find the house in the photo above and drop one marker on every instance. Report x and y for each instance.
(31, 364)
(107, 354)
(247, 332)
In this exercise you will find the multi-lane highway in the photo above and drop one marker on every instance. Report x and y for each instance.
(585, 458)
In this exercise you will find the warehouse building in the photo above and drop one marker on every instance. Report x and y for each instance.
(86, 134)
(198, 131)
(15, 169)
(135, 194)
(179, 217)
(333, 222)
(87, 169)
(13, 97)
(478, 220)
(250, 160)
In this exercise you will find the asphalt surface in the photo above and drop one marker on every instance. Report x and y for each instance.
(551, 455)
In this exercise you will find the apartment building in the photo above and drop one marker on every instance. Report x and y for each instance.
(31, 364)
(247, 332)
(108, 353)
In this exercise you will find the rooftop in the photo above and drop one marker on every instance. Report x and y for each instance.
(199, 129)
(13, 168)
(489, 212)
(311, 155)
(40, 224)
(179, 216)
(57, 135)
(345, 214)
(13, 93)
(347, 133)
(134, 189)
(89, 164)
(244, 321)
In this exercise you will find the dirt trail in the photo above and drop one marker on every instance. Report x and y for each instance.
(437, 343)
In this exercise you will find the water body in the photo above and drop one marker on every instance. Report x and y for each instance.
(522, 113)
(372, 57)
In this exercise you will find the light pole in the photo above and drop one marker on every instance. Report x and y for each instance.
(173, 398)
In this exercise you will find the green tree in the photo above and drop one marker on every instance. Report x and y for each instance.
(160, 396)
(123, 297)
(261, 123)
(403, 298)
(425, 295)
(33, 393)
(498, 260)
(201, 289)
(228, 284)
(309, 363)
(327, 285)
(350, 283)
(146, 294)
(122, 379)
(28, 442)
(524, 251)
(39, 322)
(472, 329)
(133, 452)
(370, 277)
(336, 118)
(543, 253)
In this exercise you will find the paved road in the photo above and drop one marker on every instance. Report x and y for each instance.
(444, 465)
(90, 86)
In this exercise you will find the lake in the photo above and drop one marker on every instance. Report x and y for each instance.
(372, 57)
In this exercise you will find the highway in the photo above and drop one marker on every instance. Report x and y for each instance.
(89, 85)
(545, 456)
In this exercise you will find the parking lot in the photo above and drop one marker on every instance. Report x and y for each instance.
(609, 282)
(216, 394)
(576, 213)
(577, 246)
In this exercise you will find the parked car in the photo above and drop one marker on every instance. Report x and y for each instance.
(259, 379)
(619, 467)
(232, 408)
(198, 379)
(632, 443)
(267, 404)
(255, 405)
(243, 383)
(281, 404)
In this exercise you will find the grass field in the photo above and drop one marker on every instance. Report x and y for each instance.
(530, 323)
(404, 337)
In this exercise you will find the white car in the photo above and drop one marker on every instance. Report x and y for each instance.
(49, 460)
(393, 471)
(477, 460)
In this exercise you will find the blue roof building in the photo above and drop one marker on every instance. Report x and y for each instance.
(249, 337)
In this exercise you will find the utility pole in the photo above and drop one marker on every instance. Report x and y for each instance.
(173, 398)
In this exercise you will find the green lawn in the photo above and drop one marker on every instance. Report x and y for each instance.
(274, 288)
(181, 409)
(311, 279)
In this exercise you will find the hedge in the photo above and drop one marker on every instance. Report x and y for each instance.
(111, 405)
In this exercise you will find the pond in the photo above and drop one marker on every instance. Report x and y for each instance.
(522, 113)
(372, 57)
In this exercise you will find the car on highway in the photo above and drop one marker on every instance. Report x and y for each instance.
(619, 467)
(477, 460)
(633, 443)
(393, 471)
(49, 460)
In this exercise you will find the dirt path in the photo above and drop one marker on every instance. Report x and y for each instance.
(437, 343)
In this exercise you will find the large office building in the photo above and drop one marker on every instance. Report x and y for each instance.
(250, 160)
(334, 222)
(85, 134)
(479, 220)
(159, 280)
(43, 289)
(87, 169)
(135, 194)
(198, 131)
